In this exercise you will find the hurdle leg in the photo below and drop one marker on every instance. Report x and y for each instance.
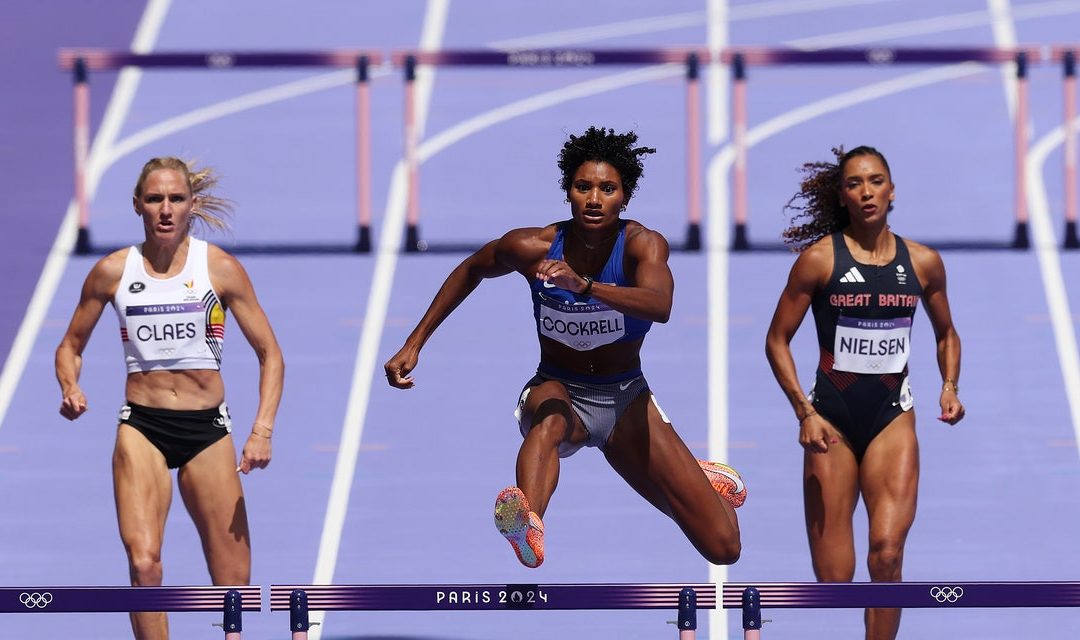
(751, 614)
(298, 614)
(687, 614)
(232, 619)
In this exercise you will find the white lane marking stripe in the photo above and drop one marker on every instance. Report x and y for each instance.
(45, 289)
(1046, 250)
(367, 350)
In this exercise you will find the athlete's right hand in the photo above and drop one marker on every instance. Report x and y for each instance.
(73, 405)
(398, 368)
(816, 434)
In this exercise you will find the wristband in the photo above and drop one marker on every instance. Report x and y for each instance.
(588, 286)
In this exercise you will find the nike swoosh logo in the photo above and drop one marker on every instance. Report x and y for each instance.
(548, 285)
(626, 385)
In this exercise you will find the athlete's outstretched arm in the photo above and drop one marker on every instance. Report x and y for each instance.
(98, 289)
(932, 270)
(807, 274)
(496, 258)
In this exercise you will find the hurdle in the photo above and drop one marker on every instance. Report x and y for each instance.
(547, 59)
(298, 600)
(752, 597)
(232, 601)
(1067, 58)
(740, 59)
(82, 61)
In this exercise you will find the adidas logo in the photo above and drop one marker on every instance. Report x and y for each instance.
(852, 275)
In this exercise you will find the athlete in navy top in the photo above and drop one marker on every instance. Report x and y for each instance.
(863, 318)
(598, 282)
(857, 427)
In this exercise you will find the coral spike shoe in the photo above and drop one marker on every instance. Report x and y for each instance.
(520, 526)
(727, 482)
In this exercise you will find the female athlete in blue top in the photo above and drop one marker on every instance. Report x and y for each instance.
(598, 282)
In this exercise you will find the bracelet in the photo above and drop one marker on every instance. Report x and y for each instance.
(949, 382)
(268, 428)
(803, 419)
(588, 286)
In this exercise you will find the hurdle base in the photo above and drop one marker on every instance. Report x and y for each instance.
(741, 243)
(693, 237)
(1071, 241)
(82, 242)
(413, 244)
(1020, 238)
(363, 239)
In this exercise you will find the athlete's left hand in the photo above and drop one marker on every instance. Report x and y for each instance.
(952, 410)
(256, 454)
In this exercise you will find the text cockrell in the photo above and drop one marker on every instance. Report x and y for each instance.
(587, 328)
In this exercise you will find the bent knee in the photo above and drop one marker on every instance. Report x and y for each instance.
(724, 551)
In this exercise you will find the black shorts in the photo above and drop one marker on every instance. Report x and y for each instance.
(862, 410)
(178, 435)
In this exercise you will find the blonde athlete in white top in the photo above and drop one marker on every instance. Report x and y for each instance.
(173, 404)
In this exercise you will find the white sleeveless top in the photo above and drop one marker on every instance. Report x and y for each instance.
(170, 324)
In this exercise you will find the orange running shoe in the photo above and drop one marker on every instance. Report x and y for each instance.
(727, 482)
(520, 526)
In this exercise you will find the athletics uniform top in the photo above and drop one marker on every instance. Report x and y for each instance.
(863, 316)
(582, 322)
(172, 323)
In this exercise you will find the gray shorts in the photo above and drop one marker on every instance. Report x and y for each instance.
(598, 405)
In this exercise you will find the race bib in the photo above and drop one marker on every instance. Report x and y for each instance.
(582, 327)
(872, 345)
(162, 331)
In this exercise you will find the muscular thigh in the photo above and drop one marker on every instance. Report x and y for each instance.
(547, 399)
(142, 485)
(890, 477)
(210, 485)
(645, 450)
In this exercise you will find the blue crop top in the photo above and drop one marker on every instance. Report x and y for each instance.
(584, 323)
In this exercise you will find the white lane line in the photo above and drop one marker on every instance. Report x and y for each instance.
(718, 76)
(263, 97)
(936, 24)
(1045, 245)
(1001, 24)
(45, 290)
(367, 350)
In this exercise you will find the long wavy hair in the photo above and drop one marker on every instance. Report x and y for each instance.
(818, 198)
(209, 210)
(604, 145)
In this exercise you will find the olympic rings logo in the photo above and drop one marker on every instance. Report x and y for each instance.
(946, 594)
(35, 600)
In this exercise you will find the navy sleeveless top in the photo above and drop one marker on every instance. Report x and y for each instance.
(582, 322)
(864, 314)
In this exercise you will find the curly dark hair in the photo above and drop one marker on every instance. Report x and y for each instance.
(819, 193)
(604, 145)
